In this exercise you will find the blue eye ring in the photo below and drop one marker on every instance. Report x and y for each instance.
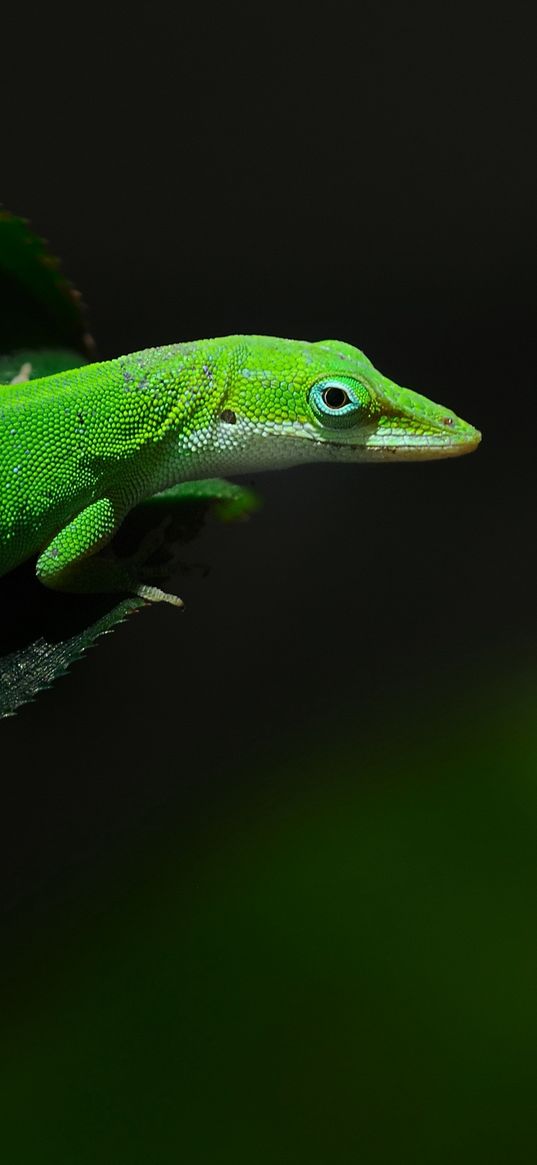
(339, 401)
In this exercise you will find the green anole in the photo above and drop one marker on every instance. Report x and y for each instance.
(80, 448)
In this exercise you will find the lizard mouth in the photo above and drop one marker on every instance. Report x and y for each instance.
(405, 447)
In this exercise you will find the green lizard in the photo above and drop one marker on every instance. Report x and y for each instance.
(80, 448)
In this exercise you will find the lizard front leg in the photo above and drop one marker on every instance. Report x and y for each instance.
(71, 562)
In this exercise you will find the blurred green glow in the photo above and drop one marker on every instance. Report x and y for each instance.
(340, 968)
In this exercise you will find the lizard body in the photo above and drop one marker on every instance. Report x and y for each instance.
(80, 448)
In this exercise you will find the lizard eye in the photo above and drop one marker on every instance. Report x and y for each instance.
(339, 402)
(335, 397)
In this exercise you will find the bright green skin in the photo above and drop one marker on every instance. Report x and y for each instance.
(80, 448)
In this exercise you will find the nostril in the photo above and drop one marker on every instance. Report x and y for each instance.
(447, 420)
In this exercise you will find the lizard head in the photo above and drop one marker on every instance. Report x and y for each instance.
(329, 403)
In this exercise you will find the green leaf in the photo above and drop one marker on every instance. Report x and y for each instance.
(39, 308)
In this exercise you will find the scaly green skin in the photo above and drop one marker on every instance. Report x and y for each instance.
(79, 449)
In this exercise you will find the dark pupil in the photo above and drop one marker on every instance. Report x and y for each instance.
(335, 398)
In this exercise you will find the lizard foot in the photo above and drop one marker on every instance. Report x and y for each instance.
(155, 595)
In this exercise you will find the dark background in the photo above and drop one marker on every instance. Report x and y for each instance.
(364, 173)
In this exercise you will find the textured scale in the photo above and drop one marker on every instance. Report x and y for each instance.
(80, 448)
